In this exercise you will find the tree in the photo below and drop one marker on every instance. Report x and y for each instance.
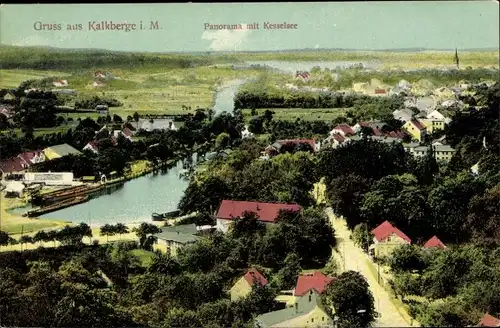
(407, 258)
(164, 264)
(25, 239)
(362, 236)
(352, 300)
(107, 230)
(136, 119)
(143, 231)
(222, 141)
(4, 238)
(181, 318)
(120, 229)
(288, 274)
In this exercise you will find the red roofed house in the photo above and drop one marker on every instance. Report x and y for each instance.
(335, 140)
(434, 242)
(267, 212)
(33, 157)
(92, 146)
(342, 129)
(386, 238)
(275, 148)
(127, 133)
(489, 321)
(13, 165)
(380, 91)
(302, 75)
(315, 281)
(416, 129)
(244, 285)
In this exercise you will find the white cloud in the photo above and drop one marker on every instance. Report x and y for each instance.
(226, 40)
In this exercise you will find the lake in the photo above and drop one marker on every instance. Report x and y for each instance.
(136, 200)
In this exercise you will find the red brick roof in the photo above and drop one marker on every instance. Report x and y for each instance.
(434, 242)
(267, 212)
(253, 276)
(386, 229)
(127, 132)
(380, 91)
(417, 124)
(489, 321)
(13, 164)
(311, 142)
(376, 132)
(338, 137)
(396, 134)
(29, 155)
(344, 128)
(316, 281)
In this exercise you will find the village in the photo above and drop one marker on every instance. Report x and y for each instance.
(295, 198)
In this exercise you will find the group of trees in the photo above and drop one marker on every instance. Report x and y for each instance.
(286, 178)
(106, 285)
(69, 235)
(464, 279)
(369, 182)
(91, 103)
(294, 99)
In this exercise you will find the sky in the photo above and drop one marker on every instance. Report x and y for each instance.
(348, 25)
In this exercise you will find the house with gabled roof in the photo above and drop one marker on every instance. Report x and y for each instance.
(315, 281)
(59, 151)
(267, 213)
(434, 242)
(275, 148)
(13, 165)
(172, 238)
(386, 238)
(92, 146)
(343, 129)
(416, 129)
(489, 321)
(306, 311)
(244, 285)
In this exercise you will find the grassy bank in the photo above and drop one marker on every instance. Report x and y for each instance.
(305, 114)
(16, 224)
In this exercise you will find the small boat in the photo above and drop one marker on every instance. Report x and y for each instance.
(163, 216)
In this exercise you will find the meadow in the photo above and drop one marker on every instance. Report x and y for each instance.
(304, 114)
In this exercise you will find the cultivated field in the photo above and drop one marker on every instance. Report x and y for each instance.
(305, 114)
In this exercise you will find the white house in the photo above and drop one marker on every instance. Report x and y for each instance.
(92, 146)
(246, 134)
(60, 83)
(342, 129)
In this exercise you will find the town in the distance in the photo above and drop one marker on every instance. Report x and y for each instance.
(260, 189)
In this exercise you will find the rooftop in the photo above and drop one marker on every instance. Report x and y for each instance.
(316, 281)
(183, 234)
(386, 229)
(267, 212)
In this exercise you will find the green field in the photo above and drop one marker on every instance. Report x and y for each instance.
(144, 256)
(306, 114)
(149, 91)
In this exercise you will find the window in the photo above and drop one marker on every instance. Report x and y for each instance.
(322, 318)
(312, 320)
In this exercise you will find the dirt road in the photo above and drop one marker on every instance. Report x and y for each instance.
(350, 257)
